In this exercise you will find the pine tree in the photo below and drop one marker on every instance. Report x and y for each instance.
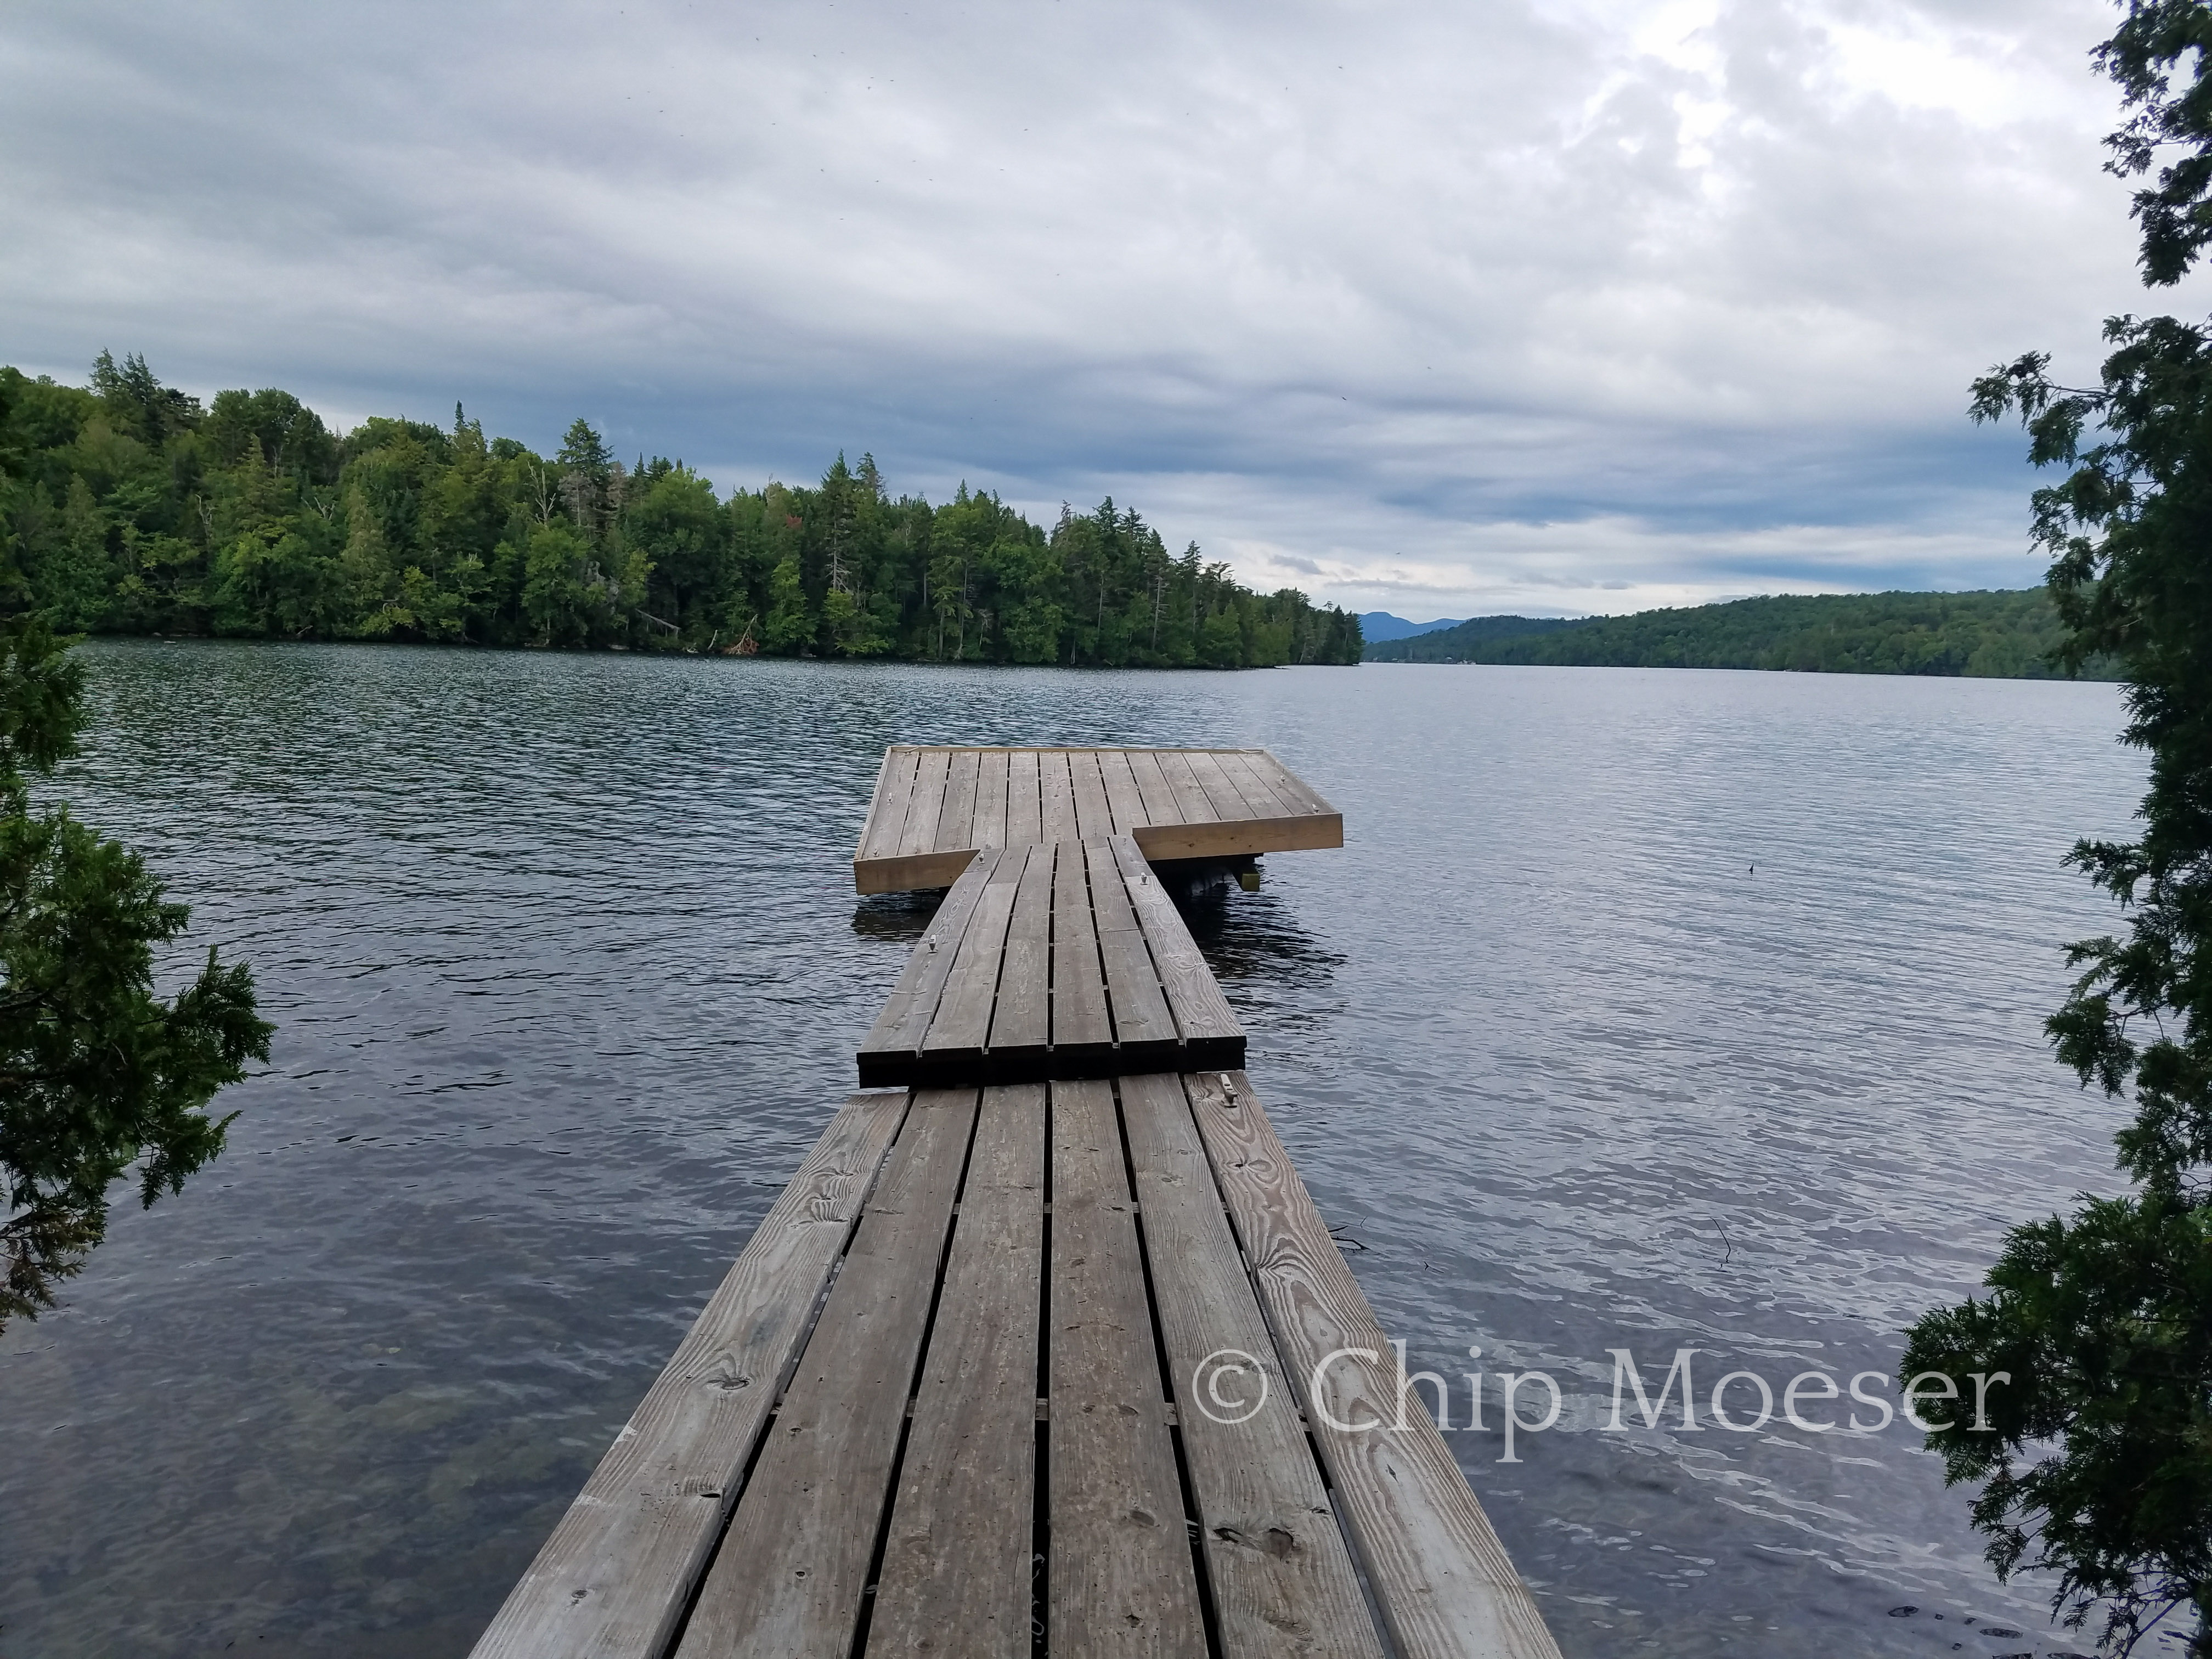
(97, 1075)
(2096, 1458)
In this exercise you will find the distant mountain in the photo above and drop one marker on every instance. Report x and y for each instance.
(1378, 625)
(1445, 642)
(2008, 633)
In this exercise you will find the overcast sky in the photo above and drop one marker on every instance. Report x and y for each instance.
(1548, 305)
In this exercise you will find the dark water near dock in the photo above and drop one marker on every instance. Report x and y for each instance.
(568, 974)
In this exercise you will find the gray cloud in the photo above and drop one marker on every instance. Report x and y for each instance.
(1540, 306)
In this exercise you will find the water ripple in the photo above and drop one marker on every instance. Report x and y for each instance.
(1643, 1009)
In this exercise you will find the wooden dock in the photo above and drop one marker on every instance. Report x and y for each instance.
(1050, 1354)
(934, 809)
(1066, 961)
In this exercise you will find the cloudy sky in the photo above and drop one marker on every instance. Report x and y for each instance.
(1548, 306)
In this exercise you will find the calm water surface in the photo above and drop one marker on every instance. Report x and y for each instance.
(1643, 1009)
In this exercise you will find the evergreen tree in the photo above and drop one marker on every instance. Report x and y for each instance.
(2096, 1459)
(123, 509)
(97, 1073)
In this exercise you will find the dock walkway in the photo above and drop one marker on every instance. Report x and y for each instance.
(1066, 961)
(1050, 1354)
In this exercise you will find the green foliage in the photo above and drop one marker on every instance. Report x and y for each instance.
(2098, 1323)
(97, 1073)
(2176, 213)
(2011, 635)
(2098, 1465)
(126, 508)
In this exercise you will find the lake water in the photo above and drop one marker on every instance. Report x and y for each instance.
(1642, 1009)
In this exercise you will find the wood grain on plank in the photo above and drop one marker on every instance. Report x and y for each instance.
(906, 1017)
(957, 1571)
(1164, 842)
(1110, 896)
(1225, 792)
(1152, 785)
(1193, 805)
(1138, 1008)
(930, 777)
(614, 1579)
(1258, 784)
(1193, 995)
(787, 1581)
(1024, 807)
(1056, 789)
(1119, 1572)
(1123, 799)
(1023, 1017)
(1079, 1025)
(887, 809)
(1283, 1582)
(991, 799)
(911, 874)
(963, 1023)
(1093, 816)
(1442, 1579)
(1288, 783)
(956, 821)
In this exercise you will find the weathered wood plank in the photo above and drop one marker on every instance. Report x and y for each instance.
(911, 874)
(887, 809)
(906, 1017)
(920, 835)
(613, 1579)
(1193, 805)
(1162, 842)
(1152, 785)
(991, 799)
(1223, 791)
(1193, 995)
(1025, 803)
(1109, 895)
(1123, 799)
(963, 1023)
(1056, 788)
(1439, 1575)
(1288, 783)
(1079, 1025)
(1119, 1572)
(1023, 1017)
(1093, 816)
(1256, 785)
(1082, 925)
(1283, 1582)
(787, 1581)
(1143, 1029)
(957, 1570)
(956, 822)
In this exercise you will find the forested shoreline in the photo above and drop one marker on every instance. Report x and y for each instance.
(2005, 634)
(126, 507)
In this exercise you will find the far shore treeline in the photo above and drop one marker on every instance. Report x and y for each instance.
(127, 508)
(2004, 635)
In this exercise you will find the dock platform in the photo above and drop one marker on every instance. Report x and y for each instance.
(935, 808)
(1059, 1360)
